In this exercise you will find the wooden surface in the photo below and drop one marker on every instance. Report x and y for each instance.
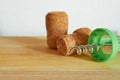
(30, 58)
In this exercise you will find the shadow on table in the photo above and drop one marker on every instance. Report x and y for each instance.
(38, 46)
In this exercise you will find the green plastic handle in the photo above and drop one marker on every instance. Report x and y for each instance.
(108, 41)
(118, 44)
(97, 38)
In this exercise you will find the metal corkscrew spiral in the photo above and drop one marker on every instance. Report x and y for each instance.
(83, 49)
(97, 40)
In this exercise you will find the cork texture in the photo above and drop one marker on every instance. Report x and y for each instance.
(56, 25)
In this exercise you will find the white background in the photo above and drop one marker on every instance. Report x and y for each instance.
(27, 17)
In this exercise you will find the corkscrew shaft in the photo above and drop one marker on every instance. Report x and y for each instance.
(97, 40)
(87, 49)
(108, 42)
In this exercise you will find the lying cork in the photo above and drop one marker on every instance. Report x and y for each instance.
(56, 25)
(78, 37)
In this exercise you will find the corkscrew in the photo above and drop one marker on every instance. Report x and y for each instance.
(98, 40)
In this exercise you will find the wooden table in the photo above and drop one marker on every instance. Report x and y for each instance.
(23, 58)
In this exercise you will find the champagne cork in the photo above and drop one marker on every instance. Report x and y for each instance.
(78, 37)
(56, 25)
(64, 43)
(81, 36)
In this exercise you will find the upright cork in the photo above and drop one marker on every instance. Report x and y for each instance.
(56, 25)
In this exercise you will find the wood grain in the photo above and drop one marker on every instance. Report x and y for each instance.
(30, 58)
